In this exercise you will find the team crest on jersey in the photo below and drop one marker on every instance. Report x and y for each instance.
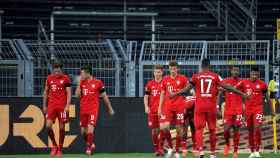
(178, 82)
(61, 81)
(51, 82)
(258, 86)
(93, 85)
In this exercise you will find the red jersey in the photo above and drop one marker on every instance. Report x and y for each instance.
(190, 102)
(153, 89)
(90, 92)
(257, 90)
(206, 88)
(173, 85)
(233, 101)
(57, 97)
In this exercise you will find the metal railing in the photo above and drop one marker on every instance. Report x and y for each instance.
(24, 65)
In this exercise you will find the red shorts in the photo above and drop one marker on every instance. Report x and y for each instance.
(153, 120)
(233, 120)
(88, 119)
(201, 118)
(254, 118)
(173, 115)
(58, 113)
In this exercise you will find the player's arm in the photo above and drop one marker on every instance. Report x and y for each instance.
(146, 99)
(78, 89)
(161, 101)
(232, 89)
(267, 100)
(220, 99)
(146, 103)
(184, 90)
(107, 102)
(45, 97)
(69, 96)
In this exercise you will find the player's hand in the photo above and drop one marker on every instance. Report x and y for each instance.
(111, 112)
(147, 110)
(159, 111)
(44, 109)
(273, 114)
(66, 109)
(172, 95)
(219, 114)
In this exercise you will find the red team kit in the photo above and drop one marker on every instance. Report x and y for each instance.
(201, 108)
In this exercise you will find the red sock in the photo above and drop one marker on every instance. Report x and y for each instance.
(155, 140)
(193, 140)
(51, 135)
(61, 138)
(161, 140)
(213, 140)
(178, 142)
(251, 140)
(184, 144)
(236, 140)
(89, 139)
(168, 138)
(258, 139)
(199, 139)
(85, 137)
(226, 136)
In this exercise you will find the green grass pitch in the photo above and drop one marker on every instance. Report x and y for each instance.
(121, 156)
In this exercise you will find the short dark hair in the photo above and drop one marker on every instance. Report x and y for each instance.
(87, 69)
(56, 65)
(255, 68)
(158, 67)
(173, 63)
(205, 62)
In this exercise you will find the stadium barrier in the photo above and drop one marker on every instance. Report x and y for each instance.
(23, 132)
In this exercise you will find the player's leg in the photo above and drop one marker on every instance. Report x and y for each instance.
(165, 134)
(185, 135)
(83, 125)
(179, 128)
(211, 121)
(155, 139)
(200, 122)
(236, 134)
(91, 123)
(192, 126)
(50, 118)
(257, 132)
(84, 133)
(90, 139)
(154, 125)
(250, 127)
(227, 127)
(62, 118)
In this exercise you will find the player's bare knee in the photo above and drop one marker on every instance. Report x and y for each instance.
(49, 124)
(90, 129)
(61, 125)
(165, 127)
(155, 130)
